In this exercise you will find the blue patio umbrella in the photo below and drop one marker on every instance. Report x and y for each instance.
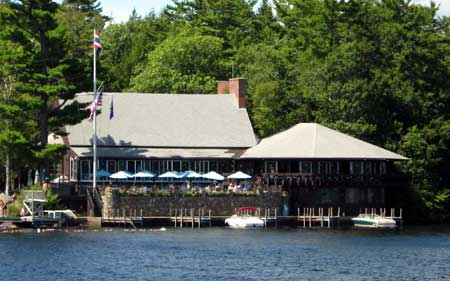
(168, 175)
(121, 175)
(213, 176)
(144, 174)
(239, 176)
(102, 173)
(191, 175)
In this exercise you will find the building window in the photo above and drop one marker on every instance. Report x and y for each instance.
(101, 164)
(202, 167)
(283, 166)
(73, 169)
(166, 166)
(156, 166)
(185, 165)
(111, 166)
(383, 170)
(356, 168)
(131, 166)
(213, 166)
(271, 166)
(225, 166)
(147, 165)
(138, 165)
(305, 167)
(334, 168)
(176, 165)
(324, 167)
(368, 166)
(85, 168)
(121, 165)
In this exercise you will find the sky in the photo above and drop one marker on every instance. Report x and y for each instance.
(120, 10)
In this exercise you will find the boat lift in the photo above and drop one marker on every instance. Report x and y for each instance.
(33, 210)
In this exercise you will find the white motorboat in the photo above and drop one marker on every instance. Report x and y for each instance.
(373, 221)
(245, 218)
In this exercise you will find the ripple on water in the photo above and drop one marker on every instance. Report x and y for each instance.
(225, 254)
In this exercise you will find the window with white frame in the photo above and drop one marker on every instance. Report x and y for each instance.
(368, 166)
(85, 169)
(324, 167)
(73, 169)
(111, 166)
(356, 167)
(271, 166)
(305, 167)
(121, 165)
(334, 168)
(383, 169)
(176, 165)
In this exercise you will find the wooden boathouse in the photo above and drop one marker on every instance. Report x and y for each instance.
(305, 166)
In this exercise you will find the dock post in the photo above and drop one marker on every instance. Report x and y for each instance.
(321, 217)
(298, 215)
(304, 217)
(265, 217)
(276, 217)
(199, 218)
(339, 216)
(123, 218)
(329, 217)
(401, 216)
(310, 217)
(175, 220)
(209, 216)
(181, 217)
(192, 218)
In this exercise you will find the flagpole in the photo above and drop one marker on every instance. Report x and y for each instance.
(94, 179)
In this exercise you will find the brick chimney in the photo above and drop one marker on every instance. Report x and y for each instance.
(234, 86)
(222, 87)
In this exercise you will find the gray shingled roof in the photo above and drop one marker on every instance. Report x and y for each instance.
(310, 140)
(175, 153)
(166, 120)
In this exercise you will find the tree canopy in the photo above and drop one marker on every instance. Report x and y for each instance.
(375, 69)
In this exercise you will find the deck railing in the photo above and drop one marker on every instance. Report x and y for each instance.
(34, 194)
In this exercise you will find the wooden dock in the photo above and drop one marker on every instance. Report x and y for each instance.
(196, 218)
(123, 218)
(190, 217)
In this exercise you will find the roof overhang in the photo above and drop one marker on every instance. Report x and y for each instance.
(167, 153)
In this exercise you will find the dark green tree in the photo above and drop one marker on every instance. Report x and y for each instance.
(187, 62)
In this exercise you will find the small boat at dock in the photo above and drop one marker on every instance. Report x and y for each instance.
(373, 221)
(245, 218)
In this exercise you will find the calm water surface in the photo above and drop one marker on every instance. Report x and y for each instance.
(225, 254)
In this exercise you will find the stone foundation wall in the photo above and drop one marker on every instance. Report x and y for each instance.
(160, 206)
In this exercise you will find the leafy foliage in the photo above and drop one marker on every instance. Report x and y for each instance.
(375, 69)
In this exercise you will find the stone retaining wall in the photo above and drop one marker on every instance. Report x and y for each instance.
(223, 205)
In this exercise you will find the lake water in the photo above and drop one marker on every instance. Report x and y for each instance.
(419, 253)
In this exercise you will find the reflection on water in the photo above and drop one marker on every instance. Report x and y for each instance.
(420, 253)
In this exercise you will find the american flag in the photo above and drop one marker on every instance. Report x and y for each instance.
(97, 102)
(97, 46)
